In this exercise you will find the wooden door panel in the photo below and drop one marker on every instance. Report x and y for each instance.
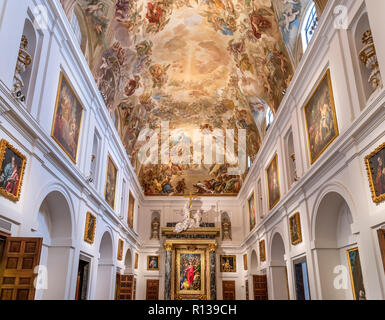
(381, 239)
(126, 287)
(260, 287)
(20, 257)
(152, 290)
(228, 290)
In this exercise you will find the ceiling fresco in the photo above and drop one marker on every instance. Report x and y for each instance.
(198, 64)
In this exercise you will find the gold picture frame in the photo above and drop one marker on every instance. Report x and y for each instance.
(90, 227)
(252, 212)
(273, 183)
(12, 167)
(190, 273)
(245, 266)
(355, 271)
(377, 170)
(110, 183)
(317, 98)
(131, 211)
(152, 263)
(136, 261)
(57, 131)
(295, 229)
(262, 250)
(228, 263)
(120, 249)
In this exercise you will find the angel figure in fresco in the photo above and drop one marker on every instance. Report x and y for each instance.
(95, 11)
(290, 15)
(259, 24)
(132, 86)
(159, 76)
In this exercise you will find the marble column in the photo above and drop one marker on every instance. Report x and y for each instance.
(167, 277)
(213, 274)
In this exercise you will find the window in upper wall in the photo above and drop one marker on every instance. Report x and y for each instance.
(269, 118)
(309, 26)
(76, 28)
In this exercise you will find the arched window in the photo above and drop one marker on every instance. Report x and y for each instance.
(309, 25)
(269, 118)
(76, 28)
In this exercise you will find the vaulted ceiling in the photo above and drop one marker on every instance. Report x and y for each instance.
(199, 64)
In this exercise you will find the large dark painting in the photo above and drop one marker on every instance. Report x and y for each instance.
(67, 119)
(321, 119)
(273, 183)
(375, 165)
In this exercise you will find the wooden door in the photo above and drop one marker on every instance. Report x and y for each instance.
(381, 239)
(126, 287)
(20, 257)
(247, 289)
(260, 287)
(134, 291)
(228, 290)
(152, 290)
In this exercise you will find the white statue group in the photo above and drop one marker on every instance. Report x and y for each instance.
(190, 220)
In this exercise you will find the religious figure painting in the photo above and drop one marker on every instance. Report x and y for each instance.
(110, 187)
(120, 249)
(190, 272)
(375, 166)
(356, 278)
(274, 193)
(228, 263)
(153, 263)
(321, 118)
(262, 251)
(67, 119)
(131, 209)
(295, 229)
(252, 215)
(12, 166)
(150, 66)
(89, 233)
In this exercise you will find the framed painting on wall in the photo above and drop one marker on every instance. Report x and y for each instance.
(321, 118)
(153, 263)
(228, 263)
(375, 166)
(190, 272)
(252, 215)
(356, 278)
(295, 229)
(120, 249)
(245, 267)
(89, 232)
(273, 188)
(262, 251)
(131, 211)
(110, 187)
(67, 119)
(136, 262)
(12, 166)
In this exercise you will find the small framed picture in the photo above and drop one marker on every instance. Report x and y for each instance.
(120, 249)
(136, 262)
(12, 166)
(153, 263)
(262, 250)
(89, 233)
(228, 263)
(295, 229)
(110, 185)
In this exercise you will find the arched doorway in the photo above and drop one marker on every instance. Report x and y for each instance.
(333, 240)
(128, 262)
(278, 271)
(55, 227)
(106, 266)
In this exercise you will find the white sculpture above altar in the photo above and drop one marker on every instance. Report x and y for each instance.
(190, 220)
